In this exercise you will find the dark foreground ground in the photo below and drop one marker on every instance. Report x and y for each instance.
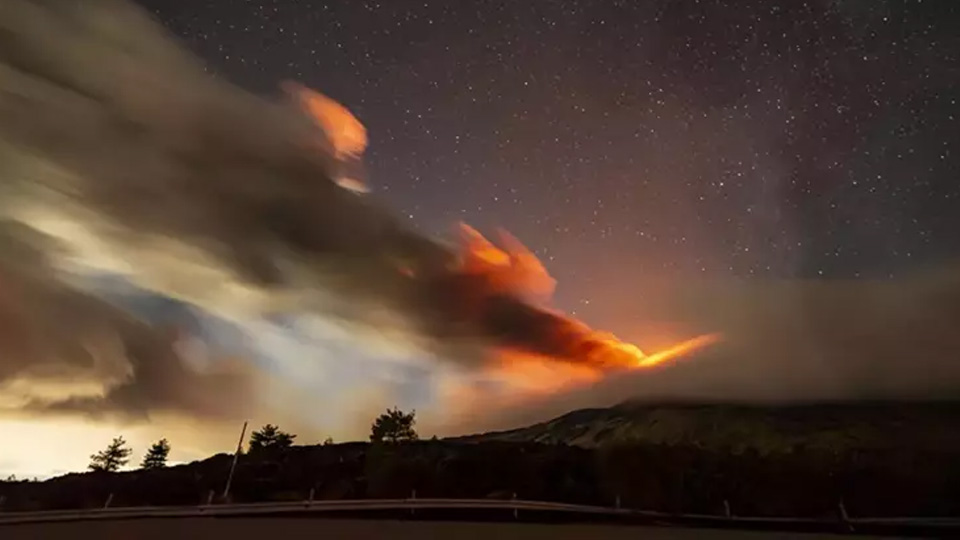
(260, 528)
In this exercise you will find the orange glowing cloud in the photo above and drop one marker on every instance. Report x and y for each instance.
(588, 354)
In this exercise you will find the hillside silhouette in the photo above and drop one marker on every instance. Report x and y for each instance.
(827, 427)
(881, 459)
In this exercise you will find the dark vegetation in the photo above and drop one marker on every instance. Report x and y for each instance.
(880, 460)
(270, 442)
(394, 426)
(156, 456)
(112, 458)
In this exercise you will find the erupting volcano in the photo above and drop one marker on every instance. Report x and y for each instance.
(539, 336)
(507, 289)
(133, 163)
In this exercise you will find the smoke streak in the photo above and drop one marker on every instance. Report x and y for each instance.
(64, 350)
(118, 152)
(123, 155)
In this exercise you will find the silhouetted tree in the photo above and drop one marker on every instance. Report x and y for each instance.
(116, 455)
(270, 439)
(394, 426)
(328, 441)
(156, 456)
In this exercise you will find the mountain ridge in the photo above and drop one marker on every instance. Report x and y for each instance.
(828, 426)
(881, 459)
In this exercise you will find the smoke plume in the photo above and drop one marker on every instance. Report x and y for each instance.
(67, 351)
(788, 341)
(119, 153)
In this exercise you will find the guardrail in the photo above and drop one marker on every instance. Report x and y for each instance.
(299, 507)
(514, 506)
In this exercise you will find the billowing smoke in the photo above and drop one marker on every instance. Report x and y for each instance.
(119, 153)
(784, 341)
(67, 351)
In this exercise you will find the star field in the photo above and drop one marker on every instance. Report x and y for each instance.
(755, 138)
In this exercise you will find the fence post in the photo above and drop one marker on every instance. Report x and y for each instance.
(233, 465)
(3, 499)
(618, 501)
(844, 517)
(310, 497)
(726, 509)
(209, 497)
(516, 510)
(413, 497)
(106, 504)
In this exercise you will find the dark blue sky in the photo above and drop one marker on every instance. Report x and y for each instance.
(630, 139)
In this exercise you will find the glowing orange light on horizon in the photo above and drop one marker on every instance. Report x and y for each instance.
(535, 374)
(678, 350)
(514, 269)
(511, 270)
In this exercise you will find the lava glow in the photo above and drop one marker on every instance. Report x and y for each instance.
(565, 351)
(536, 374)
(678, 350)
(590, 354)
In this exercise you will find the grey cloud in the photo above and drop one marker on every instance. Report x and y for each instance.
(55, 334)
(117, 143)
(789, 341)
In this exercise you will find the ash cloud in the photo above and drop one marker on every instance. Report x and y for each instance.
(790, 341)
(116, 142)
(68, 352)
(120, 150)
(112, 129)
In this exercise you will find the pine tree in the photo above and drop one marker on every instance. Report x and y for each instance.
(116, 455)
(270, 440)
(394, 426)
(156, 456)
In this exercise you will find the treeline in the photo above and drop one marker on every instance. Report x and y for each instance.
(394, 426)
(683, 478)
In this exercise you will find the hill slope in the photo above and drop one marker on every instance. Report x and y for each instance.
(767, 429)
(886, 459)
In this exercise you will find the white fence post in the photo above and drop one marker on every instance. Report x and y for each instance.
(106, 504)
(726, 509)
(233, 465)
(844, 516)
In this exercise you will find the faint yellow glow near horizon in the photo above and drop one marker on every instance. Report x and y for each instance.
(51, 447)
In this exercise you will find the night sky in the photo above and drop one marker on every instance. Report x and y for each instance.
(748, 138)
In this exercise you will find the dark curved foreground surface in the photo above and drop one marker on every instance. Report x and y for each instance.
(341, 529)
